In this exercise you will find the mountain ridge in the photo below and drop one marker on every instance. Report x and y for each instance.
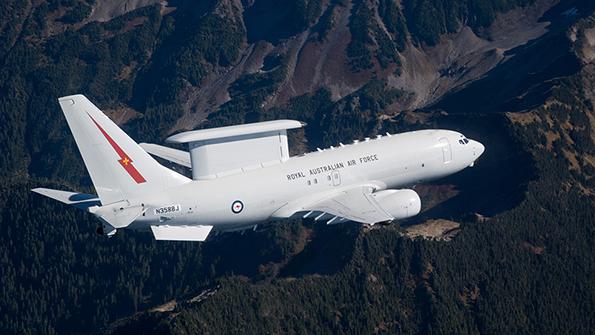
(521, 261)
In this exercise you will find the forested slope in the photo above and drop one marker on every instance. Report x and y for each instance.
(523, 257)
(526, 270)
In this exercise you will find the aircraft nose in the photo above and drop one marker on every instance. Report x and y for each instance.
(478, 148)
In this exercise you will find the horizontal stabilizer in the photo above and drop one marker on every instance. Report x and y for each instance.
(181, 233)
(78, 200)
(173, 155)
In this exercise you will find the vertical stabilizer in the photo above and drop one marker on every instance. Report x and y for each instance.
(119, 168)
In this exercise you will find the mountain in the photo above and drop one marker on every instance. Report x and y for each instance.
(508, 245)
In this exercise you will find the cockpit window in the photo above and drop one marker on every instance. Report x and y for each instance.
(463, 141)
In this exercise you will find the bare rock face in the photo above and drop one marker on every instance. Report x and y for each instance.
(318, 57)
(459, 58)
(438, 229)
(588, 45)
(324, 63)
(105, 10)
(427, 72)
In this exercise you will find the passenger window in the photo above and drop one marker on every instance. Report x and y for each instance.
(309, 183)
(315, 181)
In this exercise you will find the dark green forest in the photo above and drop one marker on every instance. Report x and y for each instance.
(526, 270)
(527, 266)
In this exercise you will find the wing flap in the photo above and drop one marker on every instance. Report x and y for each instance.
(181, 233)
(355, 204)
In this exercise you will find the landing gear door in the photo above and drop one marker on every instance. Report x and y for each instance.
(446, 150)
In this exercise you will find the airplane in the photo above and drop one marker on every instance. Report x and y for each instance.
(243, 175)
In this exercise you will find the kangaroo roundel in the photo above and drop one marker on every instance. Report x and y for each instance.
(237, 206)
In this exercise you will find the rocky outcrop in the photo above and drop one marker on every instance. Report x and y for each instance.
(315, 59)
(105, 10)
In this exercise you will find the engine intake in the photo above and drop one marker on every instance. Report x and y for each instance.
(401, 204)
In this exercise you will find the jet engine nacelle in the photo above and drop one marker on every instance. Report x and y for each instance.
(401, 204)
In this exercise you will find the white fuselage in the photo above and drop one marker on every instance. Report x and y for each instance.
(262, 192)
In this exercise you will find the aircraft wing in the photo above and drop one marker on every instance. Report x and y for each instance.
(355, 204)
(173, 155)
